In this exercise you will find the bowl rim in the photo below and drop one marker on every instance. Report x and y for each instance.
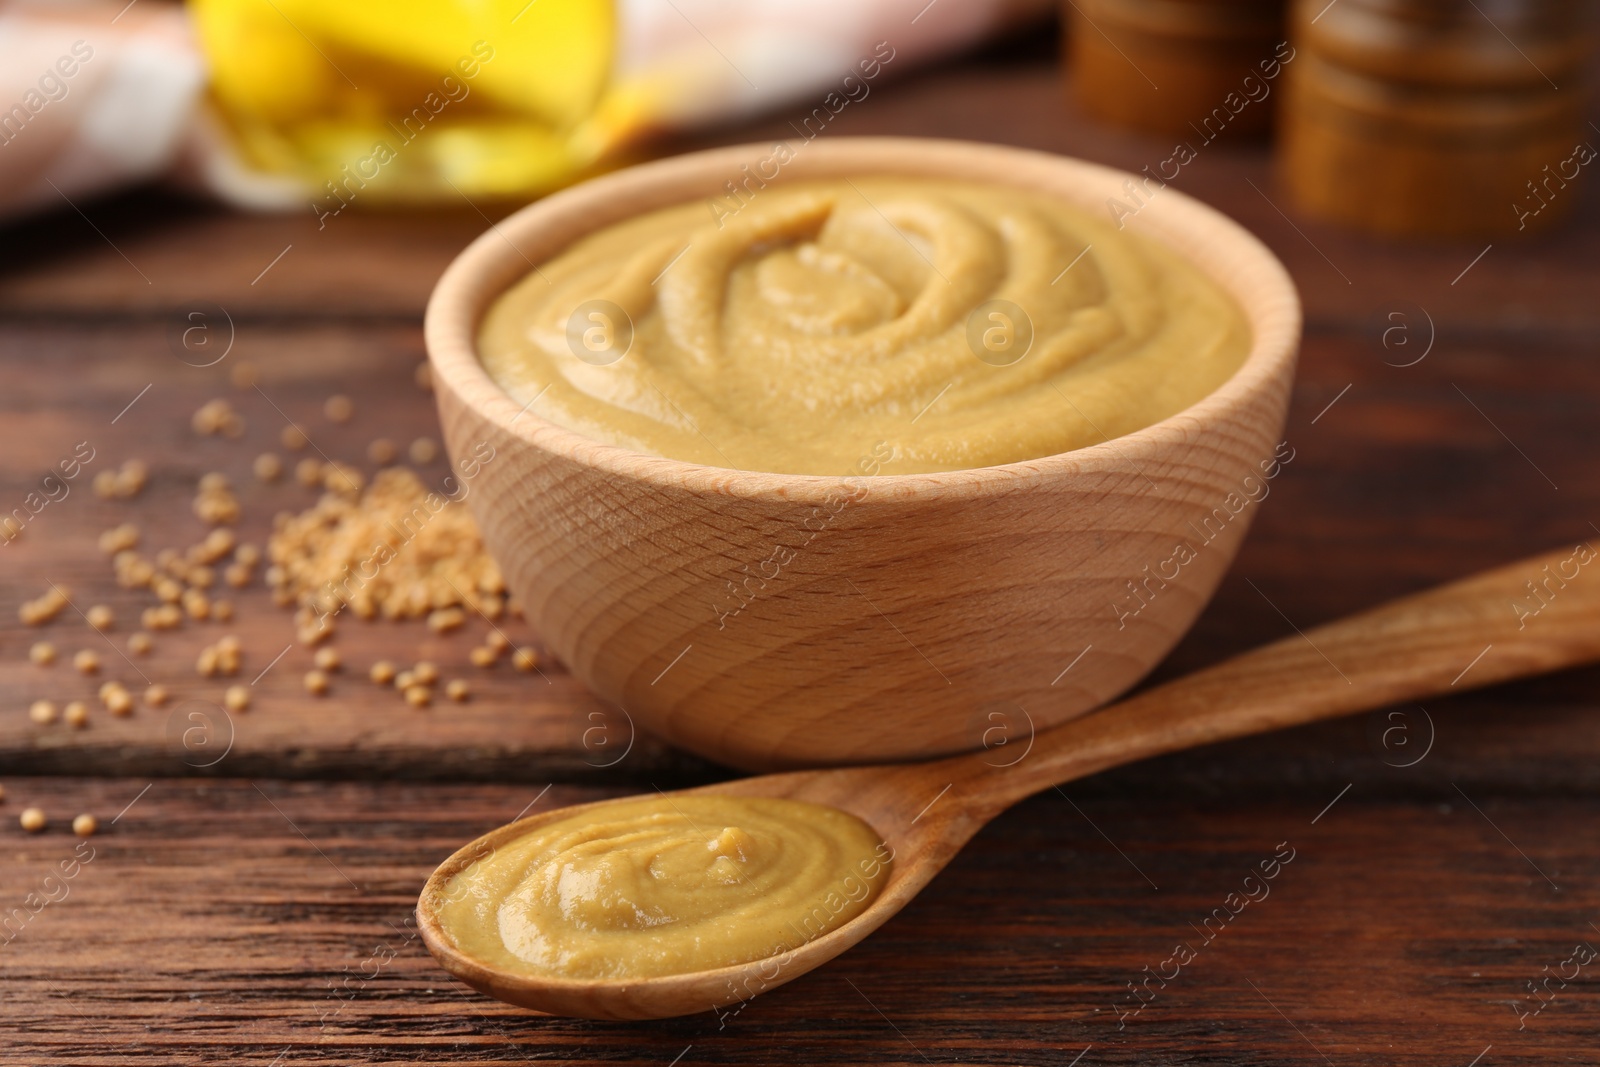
(495, 260)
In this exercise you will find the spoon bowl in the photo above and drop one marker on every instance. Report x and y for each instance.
(1462, 635)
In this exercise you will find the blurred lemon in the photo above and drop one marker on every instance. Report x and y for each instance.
(411, 100)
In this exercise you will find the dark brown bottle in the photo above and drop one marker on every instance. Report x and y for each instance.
(1448, 117)
(1167, 66)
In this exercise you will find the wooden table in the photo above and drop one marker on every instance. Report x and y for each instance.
(256, 910)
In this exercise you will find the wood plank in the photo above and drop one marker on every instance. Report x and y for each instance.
(168, 254)
(1400, 484)
(263, 922)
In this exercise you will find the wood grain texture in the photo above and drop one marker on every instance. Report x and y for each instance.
(906, 603)
(1400, 931)
(1415, 924)
(1530, 617)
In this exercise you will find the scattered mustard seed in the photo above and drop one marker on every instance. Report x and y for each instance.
(419, 696)
(244, 374)
(308, 472)
(327, 659)
(483, 657)
(32, 820)
(458, 690)
(196, 604)
(293, 438)
(382, 451)
(316, 683)
(338, 408)
(119, 538)
(382, 672)
(119, 702)
(222, 610)
(446, 620)
(156, 696)
(42, 712)
(76, 714)
(140, 643)
(237, 698)
(85, 825)
(43, 653)
(497, 641)
(86, 662)
(100, 617)
(425, 673)
(526, 659)
(423, 450)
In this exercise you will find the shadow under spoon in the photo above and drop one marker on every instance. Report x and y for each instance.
(1466, 634)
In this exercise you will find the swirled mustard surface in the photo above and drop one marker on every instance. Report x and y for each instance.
(825, 326)
(664, 885)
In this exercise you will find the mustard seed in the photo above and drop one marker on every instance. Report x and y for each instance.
(100, 617)
(423, 450)
(244, 374)
(327, 659)
(32, 820)
(316, 683)
(140, 643)
(293, 438)
(156, 696)
(338, 408)
(419, 696)
(446, 620)
(237, 698)
(76, 714)
(43, 653)
(382, 451)
(85, 825)
(458, 690)
(526, 659)
(86, 662)
(425, 673)
(382, 672)
(42, 712)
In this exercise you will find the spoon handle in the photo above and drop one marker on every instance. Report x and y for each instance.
(1530, 617)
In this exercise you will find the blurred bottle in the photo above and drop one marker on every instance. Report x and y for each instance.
(410, 100)
(1183, 67)
(1439, 117)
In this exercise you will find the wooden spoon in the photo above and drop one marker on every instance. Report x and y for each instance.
(1527, 618)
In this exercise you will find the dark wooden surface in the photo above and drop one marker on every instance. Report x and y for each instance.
(255, 911)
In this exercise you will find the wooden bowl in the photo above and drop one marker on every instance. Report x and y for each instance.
(936, 613)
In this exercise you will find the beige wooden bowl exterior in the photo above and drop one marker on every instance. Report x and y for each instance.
(938, 612)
